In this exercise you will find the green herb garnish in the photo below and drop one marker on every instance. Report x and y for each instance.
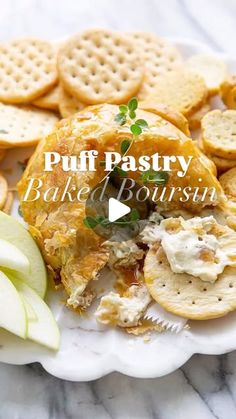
(138, 125)
(151, 176)
(132, 114)
(123, 109)
(133, 104)
(134, 215)
(119, 171)
(136, 129)
(120, 118)
(125, 145)
(129, 110)
(141, 123)
(92, 222)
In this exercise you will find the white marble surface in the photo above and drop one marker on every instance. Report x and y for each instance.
(206, 386)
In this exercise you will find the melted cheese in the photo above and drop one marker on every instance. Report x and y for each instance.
(123, 311)
(198, 246)
(124, 254)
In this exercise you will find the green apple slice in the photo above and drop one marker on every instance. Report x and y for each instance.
(30, 312)
(45, 330)
(12, 314)
(13, 232)
(11, 257)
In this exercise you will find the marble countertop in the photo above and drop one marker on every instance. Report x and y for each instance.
(204, 388)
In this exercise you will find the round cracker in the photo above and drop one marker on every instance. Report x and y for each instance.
(228, 92)
(49, 101)
(100, 66)
(200, 145)
(219, 133)
(24, 126)
(229, 99)
(3, 191)
(182, 91)
(170, 115)
(185, 295)
(196, 118)
(208, 163)
(222, 164)
(68, 104)
(228, 182)
(213, 70)
(27, 70)
(160, 58)
(228, 85)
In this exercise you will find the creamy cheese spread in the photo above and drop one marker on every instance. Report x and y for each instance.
(124, 254)
(123, 311)
(199, 246)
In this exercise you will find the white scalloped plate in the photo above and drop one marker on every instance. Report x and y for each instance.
(89, 351)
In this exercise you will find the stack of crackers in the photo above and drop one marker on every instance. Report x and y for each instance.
(103, 66)
(28, 72)
(41, 82)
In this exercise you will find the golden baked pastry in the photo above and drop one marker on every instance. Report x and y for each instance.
(73, 252)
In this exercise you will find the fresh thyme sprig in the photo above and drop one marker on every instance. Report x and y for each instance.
(151, 176)
(136, 128)
(127, 110)
(92, 222)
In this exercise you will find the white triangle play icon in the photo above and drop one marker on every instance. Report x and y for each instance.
(116, 210)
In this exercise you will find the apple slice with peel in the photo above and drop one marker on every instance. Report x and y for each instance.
(30, 312)
(13, 232)
(12, 311)
(11, 257)
(45, 329)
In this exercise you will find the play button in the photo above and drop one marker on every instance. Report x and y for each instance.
(117, 210)
(114, 215)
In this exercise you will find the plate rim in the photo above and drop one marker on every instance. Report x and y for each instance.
(106, 365)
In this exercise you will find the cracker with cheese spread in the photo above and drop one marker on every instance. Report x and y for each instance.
(190, 267)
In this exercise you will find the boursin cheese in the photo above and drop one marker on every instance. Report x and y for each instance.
(199, 246)
(123, 311)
